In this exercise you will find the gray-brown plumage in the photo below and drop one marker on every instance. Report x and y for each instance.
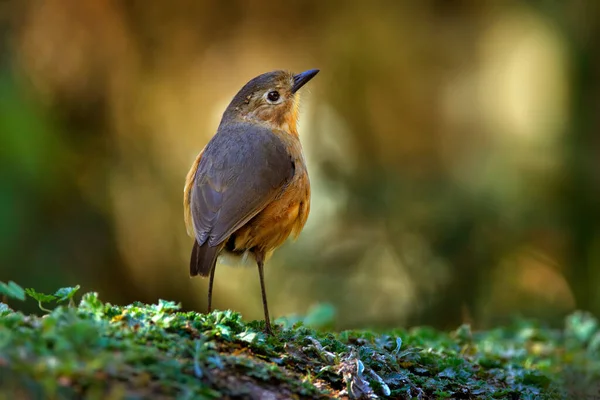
(248, 189)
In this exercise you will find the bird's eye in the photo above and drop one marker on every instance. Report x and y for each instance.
(273, 96)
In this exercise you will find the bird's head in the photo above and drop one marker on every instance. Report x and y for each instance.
(271, 99)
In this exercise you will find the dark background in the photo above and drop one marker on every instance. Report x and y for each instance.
(452, 147)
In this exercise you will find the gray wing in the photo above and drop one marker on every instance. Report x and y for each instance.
(242, 170)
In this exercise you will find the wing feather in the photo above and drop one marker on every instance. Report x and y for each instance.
(242, 169)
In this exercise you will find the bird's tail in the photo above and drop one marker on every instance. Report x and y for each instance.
(203, 258)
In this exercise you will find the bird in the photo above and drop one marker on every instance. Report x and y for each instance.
(248, 189)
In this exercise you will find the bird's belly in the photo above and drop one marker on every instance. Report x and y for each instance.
(270, 228)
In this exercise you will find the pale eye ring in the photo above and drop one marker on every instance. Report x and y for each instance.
(273, 96)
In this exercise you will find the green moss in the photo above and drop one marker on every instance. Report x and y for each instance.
(97, 350)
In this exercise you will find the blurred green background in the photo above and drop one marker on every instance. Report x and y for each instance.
(453, 148)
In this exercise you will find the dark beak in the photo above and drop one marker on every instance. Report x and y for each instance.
(303, 77)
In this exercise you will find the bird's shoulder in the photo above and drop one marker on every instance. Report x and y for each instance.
(246, 142)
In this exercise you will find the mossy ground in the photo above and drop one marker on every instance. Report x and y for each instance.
(95, 350)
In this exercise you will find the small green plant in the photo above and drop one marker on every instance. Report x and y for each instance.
(60, 296)
(12, 290)
(96, 350)
(15, 291)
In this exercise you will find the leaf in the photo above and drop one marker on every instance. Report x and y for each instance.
(489, 362)
(39, 297)
(463, 334)
(164, 305)
(594, 344)
(12, 290)
(66, 293)
(91, 302)
(398, 346)
(449, 373)
(581, 326)
(5, 337)
(247, 336)
(320, 316)
(4, 308)
(536, 378)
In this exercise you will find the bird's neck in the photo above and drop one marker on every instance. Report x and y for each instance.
(287, 124)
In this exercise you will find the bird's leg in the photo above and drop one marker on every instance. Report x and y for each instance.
(260, 263)
(210, 287)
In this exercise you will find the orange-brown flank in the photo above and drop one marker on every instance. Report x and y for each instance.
(282, 217)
